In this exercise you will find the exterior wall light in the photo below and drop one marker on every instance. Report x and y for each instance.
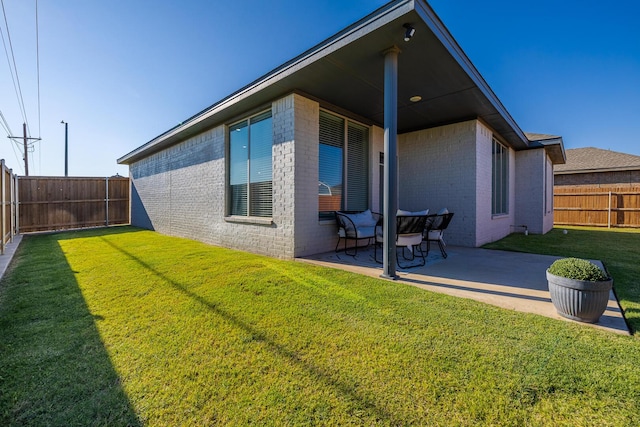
(409, 32)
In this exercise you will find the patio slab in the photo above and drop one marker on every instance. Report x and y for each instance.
(510, 280)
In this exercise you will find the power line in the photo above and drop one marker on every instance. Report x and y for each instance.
(16, 79)
(5, 125)
(7, 129)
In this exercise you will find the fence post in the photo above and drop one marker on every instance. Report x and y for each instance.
(3, 221)
(609, 215)
(106, 210)
(12, 217)
(17, 204)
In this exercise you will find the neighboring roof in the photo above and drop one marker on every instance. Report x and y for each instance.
(591, 159)
(552, 144)
(347, 71)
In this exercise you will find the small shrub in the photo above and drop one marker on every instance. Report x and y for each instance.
(578, 269)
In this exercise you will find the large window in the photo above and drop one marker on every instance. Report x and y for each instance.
(250, 166)
(500, 179)
(343, 165)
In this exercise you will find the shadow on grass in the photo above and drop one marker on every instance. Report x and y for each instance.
(321, 375)
(54, 368)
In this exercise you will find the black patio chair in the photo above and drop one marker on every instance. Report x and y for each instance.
(434, 230)
(409, 231)
(356, 226)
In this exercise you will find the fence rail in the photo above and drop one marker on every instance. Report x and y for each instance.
(603, 206)
(8, 219)
(59, 203)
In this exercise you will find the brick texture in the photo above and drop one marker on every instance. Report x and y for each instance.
(437, 170)
(534, 191)
(181, 190)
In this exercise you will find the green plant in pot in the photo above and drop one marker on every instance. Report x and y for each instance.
(579, 289)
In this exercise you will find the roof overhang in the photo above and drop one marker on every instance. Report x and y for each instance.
(347, 71)
(552, 144)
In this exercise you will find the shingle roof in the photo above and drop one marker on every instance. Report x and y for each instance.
(590, 159)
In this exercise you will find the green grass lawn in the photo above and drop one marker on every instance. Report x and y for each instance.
(128, 327)
(618, 249)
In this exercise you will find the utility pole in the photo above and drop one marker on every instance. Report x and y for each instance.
(26, 153)
(25, 141)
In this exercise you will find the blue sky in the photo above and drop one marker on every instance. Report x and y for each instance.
(123, 72)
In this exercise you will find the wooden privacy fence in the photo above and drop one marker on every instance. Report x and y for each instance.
(8, 224)
(60, 203)
(605, 206)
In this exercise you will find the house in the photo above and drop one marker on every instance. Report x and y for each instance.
(263, 169)
(597, 167)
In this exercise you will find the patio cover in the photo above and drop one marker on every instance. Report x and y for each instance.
(346, 72)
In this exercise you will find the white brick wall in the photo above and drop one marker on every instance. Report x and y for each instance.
(491, 228)
(437, 170)
(375, 177)
(181, 190)
(534, 184)
(310, 236)
(483, 191)
(530, 189)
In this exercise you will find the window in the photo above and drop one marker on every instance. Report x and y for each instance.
(548, 186)
(343, 165)
(500, 179)
(250, 167)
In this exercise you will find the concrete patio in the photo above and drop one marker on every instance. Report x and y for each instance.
(511, 280)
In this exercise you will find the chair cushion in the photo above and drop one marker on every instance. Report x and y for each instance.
(365, 219)
(401, 240)
(361, 232)
(409, 239)
(435, 235)
(438, 221)
(401, 212)
(361, 219)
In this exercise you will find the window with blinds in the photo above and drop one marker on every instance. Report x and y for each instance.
(250, 167)
(343, 165)
(499, 179)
